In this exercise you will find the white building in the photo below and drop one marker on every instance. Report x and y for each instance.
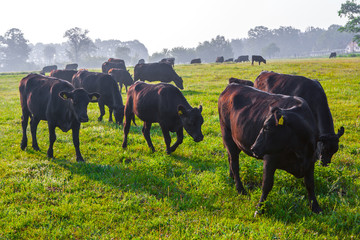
(352, 47)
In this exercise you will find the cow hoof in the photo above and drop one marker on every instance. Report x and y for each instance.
(124, 145)
(36, 148)
(100, 119)
(23, 146)
(80, 159)
(316, 210)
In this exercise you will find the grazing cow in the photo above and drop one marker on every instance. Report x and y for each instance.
(72, 66)
(63, 74)
(219, 59)
(278, 129)
(165, 104)
(229, 60)
(240, 81)
(116, 60)
(106, 66)
(162, 72)
(57, 102)
(107, 87)
(257, 58)
(332, 55)
(170, 61)
(141, 61)
(122, 77)
(314, 94)
(196, 60)
(48, 69)
(243, 58)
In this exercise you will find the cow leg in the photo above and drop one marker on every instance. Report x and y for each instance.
(110, 114)
(24, 123)
(310, 187)
(146, 133)
(52, 138)
(267, 183)
(125, 87)
(167, 138)
(179, 140)
(33, 126)
(128, 116)
(102, 110)
(75, 136)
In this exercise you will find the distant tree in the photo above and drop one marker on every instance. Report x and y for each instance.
(237, 46)
(183, 55)
(351, 10)
(49, 53)
(79, 43)
(208, 51)
(259, 37)
(271, 50)
(14, 49)
(123, 53)
(157, 56)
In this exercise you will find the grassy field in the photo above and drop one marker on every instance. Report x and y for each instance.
(133, 193)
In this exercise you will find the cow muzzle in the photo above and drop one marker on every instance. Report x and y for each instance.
(198, 138)
(257, 153)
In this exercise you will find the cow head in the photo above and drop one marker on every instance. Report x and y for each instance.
(192, 121)
(283, 131)
(119, 114)
(328, 145)
(79, 102)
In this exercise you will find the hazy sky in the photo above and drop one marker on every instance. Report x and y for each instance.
(162, 23)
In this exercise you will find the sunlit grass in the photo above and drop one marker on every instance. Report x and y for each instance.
(134, 193)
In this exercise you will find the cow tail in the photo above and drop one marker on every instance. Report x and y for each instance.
(133, 119)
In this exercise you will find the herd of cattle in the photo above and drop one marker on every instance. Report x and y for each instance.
(282, 119)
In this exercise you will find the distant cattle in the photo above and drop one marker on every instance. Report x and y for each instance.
(107, 87)
(257, 58)
(116, 60)
(332, 55)
(196, 60)
(162, 72)
(229, 60)
(166, 105)
(141, 61)
(219, 59)
(122, 77)
(243, 58)
(240, 81)
(314, 94)
(48, 69)
(72, 66)
(57, 102)
(106, 66)
(170, 61)
(276, 128)
(63, 74)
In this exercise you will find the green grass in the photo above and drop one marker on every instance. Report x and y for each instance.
(133, 193)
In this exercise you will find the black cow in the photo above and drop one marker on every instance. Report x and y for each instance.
(48, 69)
(57, 102)
(106, 66)
(116, 60)
(107, 87)
(243, 58)
(332, 55)
(276, 128)
(63, 74)
(71, 66)
(314, 94)
(122, 77)
(229, 60)
(241, 81)
(196, 60)
(170, 61)
(162, 72)
(257, 58)
(165, 104)
(219, 59)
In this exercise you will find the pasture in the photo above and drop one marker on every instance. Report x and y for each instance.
(133, 193)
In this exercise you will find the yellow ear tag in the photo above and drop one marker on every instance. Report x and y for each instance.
(65, 97)
(94, 98)
(281, 121)
(180, 112)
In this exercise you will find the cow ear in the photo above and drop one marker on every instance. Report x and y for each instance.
(94, 97)
(181, 110)
(66, 95)
(340, 132)
(200, 108)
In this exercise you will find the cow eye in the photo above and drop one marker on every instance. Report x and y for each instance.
(266, 128)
